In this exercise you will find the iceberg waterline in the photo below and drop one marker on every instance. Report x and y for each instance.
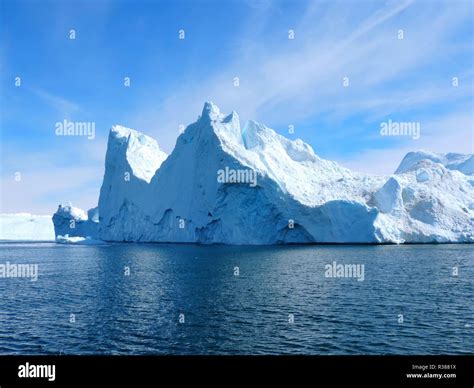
(293, 197)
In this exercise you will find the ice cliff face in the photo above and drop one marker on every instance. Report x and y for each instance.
(232, 185)
(131, 161)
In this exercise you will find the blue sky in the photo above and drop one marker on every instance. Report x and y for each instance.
(283, 81)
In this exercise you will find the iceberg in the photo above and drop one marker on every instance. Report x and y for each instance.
(74, 222)
(453, 161)
(227, 184)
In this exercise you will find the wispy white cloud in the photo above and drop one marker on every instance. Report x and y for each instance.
(62, 105)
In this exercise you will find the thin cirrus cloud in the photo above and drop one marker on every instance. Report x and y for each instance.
(62, 105)
(277, 86)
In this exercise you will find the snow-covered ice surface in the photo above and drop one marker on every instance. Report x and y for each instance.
(452, 161)
(26, 227)
(284, 192)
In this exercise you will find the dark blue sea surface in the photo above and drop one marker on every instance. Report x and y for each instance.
(252, 313)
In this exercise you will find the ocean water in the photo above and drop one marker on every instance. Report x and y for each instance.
(188, 299)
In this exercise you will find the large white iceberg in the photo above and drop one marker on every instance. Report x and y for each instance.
(232, 185)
